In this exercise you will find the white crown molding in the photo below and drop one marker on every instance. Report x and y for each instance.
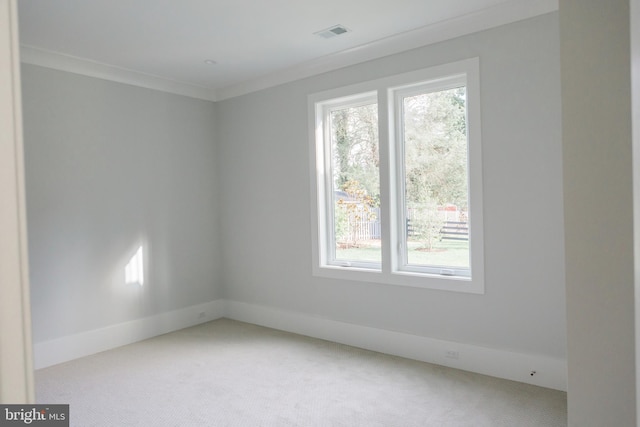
(501, 14)
(57, 61)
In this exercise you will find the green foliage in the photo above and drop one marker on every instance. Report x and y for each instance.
(435, 144)
(426, 223)
(352, 215)
(435, 156)
(341, 223)
(355, 148)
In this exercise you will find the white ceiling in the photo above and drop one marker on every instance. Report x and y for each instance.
(249, 39)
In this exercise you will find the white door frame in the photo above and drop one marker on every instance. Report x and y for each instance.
(634, 8)
(635, 125)
(16, 354)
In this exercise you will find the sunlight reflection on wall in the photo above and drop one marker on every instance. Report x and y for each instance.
(134, 270)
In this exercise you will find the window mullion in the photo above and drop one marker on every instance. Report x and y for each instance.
(328, 187)
(387, 214)
(395, 104)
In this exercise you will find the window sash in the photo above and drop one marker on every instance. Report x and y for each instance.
(399, 94)
(326, 109)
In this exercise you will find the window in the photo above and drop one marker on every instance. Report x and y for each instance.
(397, 180)
(352, 151)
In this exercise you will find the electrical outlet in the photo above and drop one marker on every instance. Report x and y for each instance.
(452, 354)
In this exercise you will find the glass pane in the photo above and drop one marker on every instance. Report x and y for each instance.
(356, 183)
(436, 189)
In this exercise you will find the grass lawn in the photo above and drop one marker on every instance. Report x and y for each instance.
(446, 253)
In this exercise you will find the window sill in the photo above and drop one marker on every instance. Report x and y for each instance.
(472, 285)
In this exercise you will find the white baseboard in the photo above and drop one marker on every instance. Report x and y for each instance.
(549, 372)
(71, 347)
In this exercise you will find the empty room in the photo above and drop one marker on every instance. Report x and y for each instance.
(348, 213)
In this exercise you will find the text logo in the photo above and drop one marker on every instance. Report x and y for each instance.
(34, 415)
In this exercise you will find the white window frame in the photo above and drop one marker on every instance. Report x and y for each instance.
(393, 270)
(322, 116)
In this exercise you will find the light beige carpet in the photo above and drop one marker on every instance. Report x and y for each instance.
(227, 373)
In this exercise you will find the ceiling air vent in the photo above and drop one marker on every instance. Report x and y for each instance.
(336, 30)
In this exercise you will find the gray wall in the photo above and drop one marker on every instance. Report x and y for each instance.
(598, 173)
(110, 166)
(265, 206)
